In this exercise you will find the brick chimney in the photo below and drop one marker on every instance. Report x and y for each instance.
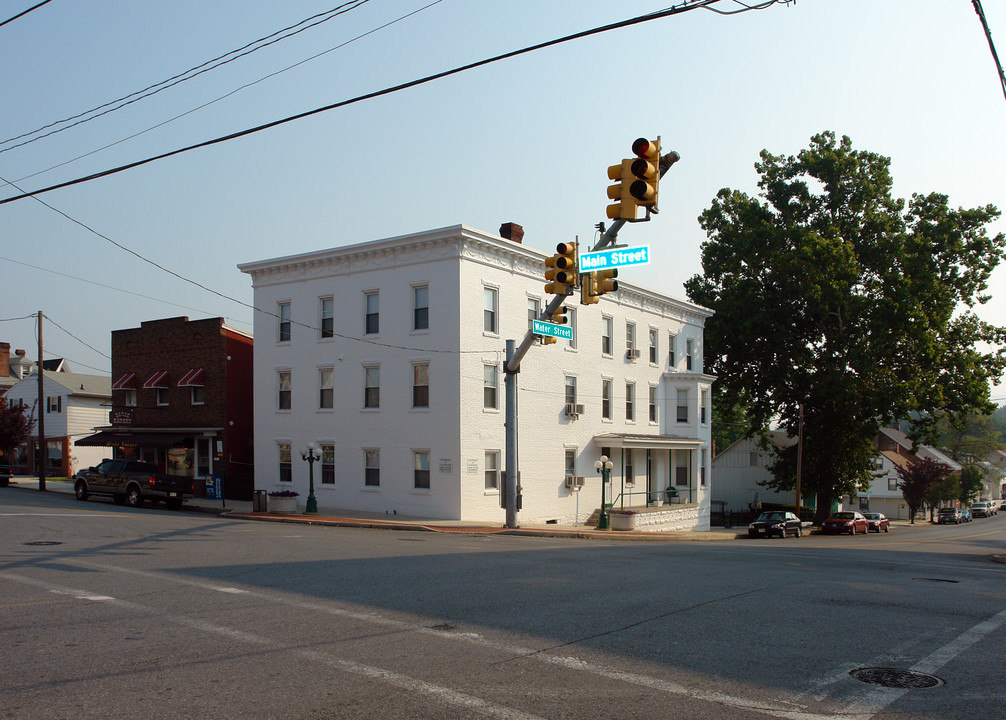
(4, 359)
(512, 231)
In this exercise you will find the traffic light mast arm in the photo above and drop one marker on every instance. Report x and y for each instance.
(514, 364)
(609, 237)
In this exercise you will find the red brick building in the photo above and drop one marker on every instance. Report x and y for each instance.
(182, 398)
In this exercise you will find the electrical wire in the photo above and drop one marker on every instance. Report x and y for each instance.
(189, 74)
(686, 7)
(75, 337)
(25, 12)
(988, 34)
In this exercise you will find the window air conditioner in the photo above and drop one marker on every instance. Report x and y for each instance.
(574, 410)
(632, 354)
(574, 481)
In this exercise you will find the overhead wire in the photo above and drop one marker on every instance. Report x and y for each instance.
(25, 12)
(988, 35)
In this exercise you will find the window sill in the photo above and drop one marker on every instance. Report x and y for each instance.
(421, 491)
(371, 488)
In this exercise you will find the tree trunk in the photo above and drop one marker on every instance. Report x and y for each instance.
(823, 509)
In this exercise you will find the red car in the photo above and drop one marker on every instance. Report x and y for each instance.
(877, 522)
(845, 522)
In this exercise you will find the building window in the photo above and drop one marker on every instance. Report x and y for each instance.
(326, 388)
(753, 459)
(653, 403)
(570, 462)
(630, 340)
(489, 387)
(492, 470)
(606, 399)
(681, 468)
(198, 395)
(703, 404)
(670, 350)
(570, 390)
(54, 404)
(892, 482)
(571, 319)
(420, 385)
(285, 470)
(372, 468)
(653, 346)
(162, 397)
(491, 307)
(421, 470)
(372, 387)
(284, 322)
(327, 317)
(606, 333)
(702, 468)
(630, 473)
(373, 314)
(285, 389)
(533, 311)
(682, 405)
(129, 397)
(630, 400)
(327, 464)
(689, 345)
(420, 307)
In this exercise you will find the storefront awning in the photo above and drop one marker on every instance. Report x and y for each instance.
(126, 382)
(158, 380)
(193, 378)
(641, 441)
(107, 438)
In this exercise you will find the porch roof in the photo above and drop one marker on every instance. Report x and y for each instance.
(640, 440)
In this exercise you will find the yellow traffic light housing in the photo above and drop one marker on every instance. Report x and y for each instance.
(560, 270)
(605, 282)
(559, 316)
(588, 295)
(625, 208)
(638, 181)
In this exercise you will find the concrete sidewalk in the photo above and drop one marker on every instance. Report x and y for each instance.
(242, 510)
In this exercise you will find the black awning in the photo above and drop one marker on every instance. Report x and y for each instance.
(107, 438)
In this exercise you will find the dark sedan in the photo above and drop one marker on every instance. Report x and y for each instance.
(877, 522)
(846, 521)
(775, 522)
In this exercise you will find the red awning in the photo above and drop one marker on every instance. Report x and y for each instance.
(193, 378)
(126, 382)
(158, 380)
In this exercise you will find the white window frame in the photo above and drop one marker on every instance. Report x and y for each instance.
(327, 454)
(607, 335)
(490, 315)
(285, 327)
(607, 393)
(418, 326)
(416, 384)
(372, 386)
(486, 386)
(492, 483)
(326, 317)
(417, 470)
(372, 312)
(371, 468)
(630, 401)
(326, 390)
(653, 346)
(284, 389)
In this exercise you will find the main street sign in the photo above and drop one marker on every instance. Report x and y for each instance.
(613, 258)
(563, 332)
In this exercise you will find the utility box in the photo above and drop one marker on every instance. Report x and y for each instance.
(214, 487)
(259, 502)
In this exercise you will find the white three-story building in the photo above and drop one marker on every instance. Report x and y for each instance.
(389, 356)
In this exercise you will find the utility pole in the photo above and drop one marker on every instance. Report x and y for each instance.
(799, 460)
(43, 450)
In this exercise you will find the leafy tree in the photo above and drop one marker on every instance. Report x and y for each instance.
(971, 484)
(917, 481)
(15, 427)
(730, 419)
(833, 296)
(946, 490)
(972, 437)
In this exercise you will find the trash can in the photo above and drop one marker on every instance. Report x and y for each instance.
(259, 502)
(214, 490)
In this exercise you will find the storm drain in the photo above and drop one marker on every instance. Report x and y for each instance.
(895, 678)
(44, 542)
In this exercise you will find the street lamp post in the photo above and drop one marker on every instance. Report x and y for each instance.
(310, 455)
(603, 466)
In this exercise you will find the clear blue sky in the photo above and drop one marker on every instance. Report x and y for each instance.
(910, 79)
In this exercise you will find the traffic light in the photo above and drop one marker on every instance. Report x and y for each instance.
(560, 270)
(638, 181)
(559, 316)
(605, 282)
(587, 293)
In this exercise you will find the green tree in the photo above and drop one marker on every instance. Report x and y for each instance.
(833, 296)
(946, 489)
(971, 484)
(730, 419)
(972, 437)
(918, 480)
(16, 425)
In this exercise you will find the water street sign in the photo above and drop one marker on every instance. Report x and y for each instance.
(563, 332)
(613, 258)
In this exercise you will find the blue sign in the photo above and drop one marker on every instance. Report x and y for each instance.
(552, 330)
(613, 258)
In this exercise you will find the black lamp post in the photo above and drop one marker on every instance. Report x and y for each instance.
(311, 456)
(603, 466)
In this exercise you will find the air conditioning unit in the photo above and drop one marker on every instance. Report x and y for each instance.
(574, 481)
(574, 410)
(632, 354)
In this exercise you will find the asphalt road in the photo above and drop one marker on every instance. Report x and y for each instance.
(110, 612)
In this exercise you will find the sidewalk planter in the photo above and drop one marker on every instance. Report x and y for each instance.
(622, 519)
(283, 502)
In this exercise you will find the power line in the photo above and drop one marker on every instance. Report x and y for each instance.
(75, 337)
(184, 76)
(25, 12)
(988, 34)
(685, 7)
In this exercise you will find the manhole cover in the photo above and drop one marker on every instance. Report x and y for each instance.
(444, 627)
(895, 678)
(44, 542)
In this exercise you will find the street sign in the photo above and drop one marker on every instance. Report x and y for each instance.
(563, 332)
(613, 258)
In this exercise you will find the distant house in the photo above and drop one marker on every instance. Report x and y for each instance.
(740, 471)
(73, 404)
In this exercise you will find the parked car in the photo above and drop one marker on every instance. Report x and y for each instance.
(776, 522)
(132, 482)
(1002, 505)
(877, 522)
(847, 521)
(6, 473)
(981, 509)
(966, 515)
(948, 515)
